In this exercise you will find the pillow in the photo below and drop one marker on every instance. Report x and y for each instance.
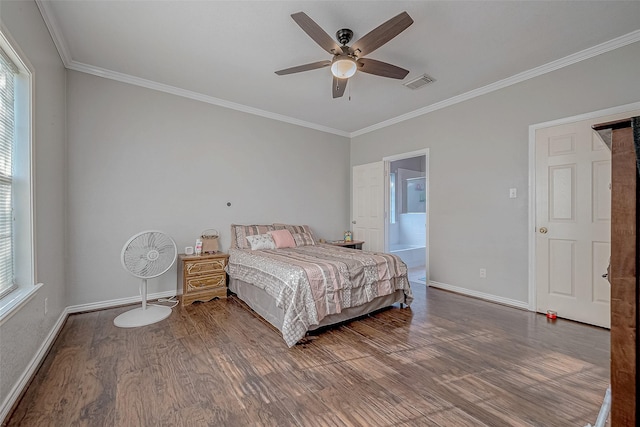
(283, 239)
(303, 239)
(295, 229)
(239, 234)
(261, 241)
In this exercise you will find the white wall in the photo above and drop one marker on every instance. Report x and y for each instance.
(22, 335)
(479, 149)
(141, 159)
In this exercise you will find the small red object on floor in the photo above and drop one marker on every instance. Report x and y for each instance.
(551, 314)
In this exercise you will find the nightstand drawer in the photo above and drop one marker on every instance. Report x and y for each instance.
(205, 266)
(205, 282)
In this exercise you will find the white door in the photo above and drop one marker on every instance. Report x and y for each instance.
(573, 211)
(368, 205)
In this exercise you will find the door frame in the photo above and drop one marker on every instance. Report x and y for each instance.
(532, 303)
(387, 183)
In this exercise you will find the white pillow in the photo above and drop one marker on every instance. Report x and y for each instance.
(261, 241)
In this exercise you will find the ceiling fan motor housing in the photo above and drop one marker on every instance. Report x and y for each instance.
(344, 36)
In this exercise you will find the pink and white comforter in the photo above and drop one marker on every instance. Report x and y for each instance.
(311, 282)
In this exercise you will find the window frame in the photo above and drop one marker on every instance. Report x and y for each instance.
(22, 183)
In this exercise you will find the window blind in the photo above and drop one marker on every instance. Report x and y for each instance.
(7, 125)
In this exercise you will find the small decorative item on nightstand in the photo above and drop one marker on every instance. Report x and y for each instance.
(347, 236)
(210, 241)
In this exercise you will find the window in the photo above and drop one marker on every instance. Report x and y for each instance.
(8, 71)
(17, 259)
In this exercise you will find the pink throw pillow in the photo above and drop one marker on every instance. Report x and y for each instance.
(283, 239)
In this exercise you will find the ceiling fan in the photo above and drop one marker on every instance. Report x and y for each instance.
(348, 59)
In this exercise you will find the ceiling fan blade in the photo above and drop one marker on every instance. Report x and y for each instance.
(314, 31)
(379, 68)
(305, 67)
(382, 34)
(339, 85)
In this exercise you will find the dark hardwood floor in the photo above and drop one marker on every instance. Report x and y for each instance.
(448, 361)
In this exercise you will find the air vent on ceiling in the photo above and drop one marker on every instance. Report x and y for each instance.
(419, 82)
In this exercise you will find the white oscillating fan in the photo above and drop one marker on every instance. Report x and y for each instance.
(146, 255)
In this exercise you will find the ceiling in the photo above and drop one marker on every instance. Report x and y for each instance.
(226, 52)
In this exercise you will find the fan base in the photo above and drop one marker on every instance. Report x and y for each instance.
(142, 317)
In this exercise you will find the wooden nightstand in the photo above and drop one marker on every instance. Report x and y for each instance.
(354, 244)
(202, 277)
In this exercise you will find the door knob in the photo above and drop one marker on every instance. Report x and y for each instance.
(543, 230)
(353, 222)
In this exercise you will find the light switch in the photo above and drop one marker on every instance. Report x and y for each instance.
(513, 193)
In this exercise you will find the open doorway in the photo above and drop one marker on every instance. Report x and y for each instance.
(407, 206)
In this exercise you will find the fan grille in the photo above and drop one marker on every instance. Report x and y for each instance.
(149, 254)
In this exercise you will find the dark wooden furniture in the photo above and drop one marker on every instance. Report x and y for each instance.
(353, 244)
(202, 277)
(619, 137)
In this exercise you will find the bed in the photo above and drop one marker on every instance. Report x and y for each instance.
(299, 285)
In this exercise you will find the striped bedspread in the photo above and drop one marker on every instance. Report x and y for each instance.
(311, 282)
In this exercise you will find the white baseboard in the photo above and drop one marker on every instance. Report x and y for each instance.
(32, 367)
(480, 295)
(117, 302)
(26, 376)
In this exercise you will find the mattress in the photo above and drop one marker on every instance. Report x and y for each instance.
(260, 302)
(296, 289)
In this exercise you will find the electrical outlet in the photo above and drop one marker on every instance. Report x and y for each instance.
(483, 273)
(46, 303)
(513, 193)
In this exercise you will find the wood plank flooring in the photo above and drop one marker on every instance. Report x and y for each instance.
(449, 360)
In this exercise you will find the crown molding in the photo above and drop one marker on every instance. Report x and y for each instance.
(58, 39)
(150, 84)
(608, 46)
(61, 45)
(54, 30)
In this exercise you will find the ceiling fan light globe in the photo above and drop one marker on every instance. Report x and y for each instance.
(343, 67)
